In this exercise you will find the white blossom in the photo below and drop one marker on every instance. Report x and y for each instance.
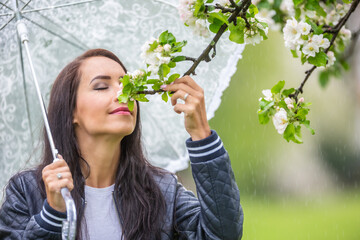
(345, 33)
(224, 3)
(331, 58)
(159, 49)
(304, 28)
(153, 68)
(266, 15)
(320, 41)
(167, 47)
(287, 6)
(289, 102)
(268, 95)
(280, 121)
(310, 49)
(200, 28)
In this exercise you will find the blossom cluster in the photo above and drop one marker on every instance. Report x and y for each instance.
(256, 32)
(197, 24)
(154, 54)
(286, 113)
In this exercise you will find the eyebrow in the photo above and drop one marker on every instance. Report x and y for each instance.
(101, 77)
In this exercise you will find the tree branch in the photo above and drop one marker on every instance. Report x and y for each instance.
(335, 31)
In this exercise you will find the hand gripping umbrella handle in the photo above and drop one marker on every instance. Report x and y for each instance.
(69, 226)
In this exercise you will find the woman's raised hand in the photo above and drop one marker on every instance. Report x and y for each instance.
(57, 176)
(196, 123)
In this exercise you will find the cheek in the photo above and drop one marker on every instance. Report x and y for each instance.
(88, 109)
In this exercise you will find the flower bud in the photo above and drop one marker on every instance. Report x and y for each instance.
(301, 100)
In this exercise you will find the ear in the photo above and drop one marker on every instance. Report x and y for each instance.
(75, 119)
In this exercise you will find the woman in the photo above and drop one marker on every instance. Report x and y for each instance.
(118, 194)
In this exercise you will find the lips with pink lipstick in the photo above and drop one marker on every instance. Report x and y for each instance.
(121, 111)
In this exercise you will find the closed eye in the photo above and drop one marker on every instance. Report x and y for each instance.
(102, 88)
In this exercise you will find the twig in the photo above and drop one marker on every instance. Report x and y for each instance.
(335, 34)
(224, 9)
(150, 92)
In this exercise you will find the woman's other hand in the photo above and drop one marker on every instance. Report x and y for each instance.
(57, 176)
(196, 123)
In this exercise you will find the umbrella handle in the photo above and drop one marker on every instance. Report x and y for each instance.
(69, 226)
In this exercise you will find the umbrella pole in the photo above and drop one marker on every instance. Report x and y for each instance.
(69, 226)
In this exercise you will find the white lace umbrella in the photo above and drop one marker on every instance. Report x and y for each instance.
(58, 35)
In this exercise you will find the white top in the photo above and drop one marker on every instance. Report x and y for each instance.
(101, 216)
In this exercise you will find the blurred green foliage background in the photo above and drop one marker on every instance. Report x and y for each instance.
(290, 191)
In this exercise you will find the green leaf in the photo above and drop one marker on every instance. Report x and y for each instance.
(153, 45)
(164, 70)
(307, 125)
(164, 97)
(178, 59)
(163, 38)
(324, 78)
(266, 105)
(287, 92)
(178, 46)
(294, 53)
(263, 117)
(219, 16)
(277, 88)
(253, 10)
(319, 60)
(125, 80)
(172, 64)
(127, 88)
(123, 98)
(301, 114)
(156, 86)
(172, 78)
(152, 81)
(215, 25)
(317, 29)
(303, 58)
(131, 105)
(199, 7)
(297, 135)
(289, 132)
(297, 2)
(237, 32)
(171, 39)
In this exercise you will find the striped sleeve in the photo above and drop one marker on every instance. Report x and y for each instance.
(205, 149)
(50, 219)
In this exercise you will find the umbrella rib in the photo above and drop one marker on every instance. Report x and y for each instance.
(59, 6)
(6, 14)
(55, 34)
(25, 4)
(4, 4)
(24, 88)
(61, 27)
(3, 26)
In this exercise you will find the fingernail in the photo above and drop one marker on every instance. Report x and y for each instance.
(163, 86)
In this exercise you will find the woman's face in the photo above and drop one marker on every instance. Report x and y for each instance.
(98, 111)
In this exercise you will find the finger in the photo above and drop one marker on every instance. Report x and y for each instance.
(55, 176)
(189, 81)
(57, 164)
(49, 172)
(56, 186)
(178, 94)
(181, 86)
(188, 109)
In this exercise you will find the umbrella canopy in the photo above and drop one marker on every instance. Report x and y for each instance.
(58, 35)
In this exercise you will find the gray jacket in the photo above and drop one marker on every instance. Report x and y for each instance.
(215, 214)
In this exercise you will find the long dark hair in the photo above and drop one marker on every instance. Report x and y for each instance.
(142, 205)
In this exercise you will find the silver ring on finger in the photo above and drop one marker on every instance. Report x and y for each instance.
(185, 96)
(59, 176)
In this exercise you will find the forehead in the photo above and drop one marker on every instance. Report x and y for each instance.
(94, 66)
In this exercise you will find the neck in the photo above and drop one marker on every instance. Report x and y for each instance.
(102, 154)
